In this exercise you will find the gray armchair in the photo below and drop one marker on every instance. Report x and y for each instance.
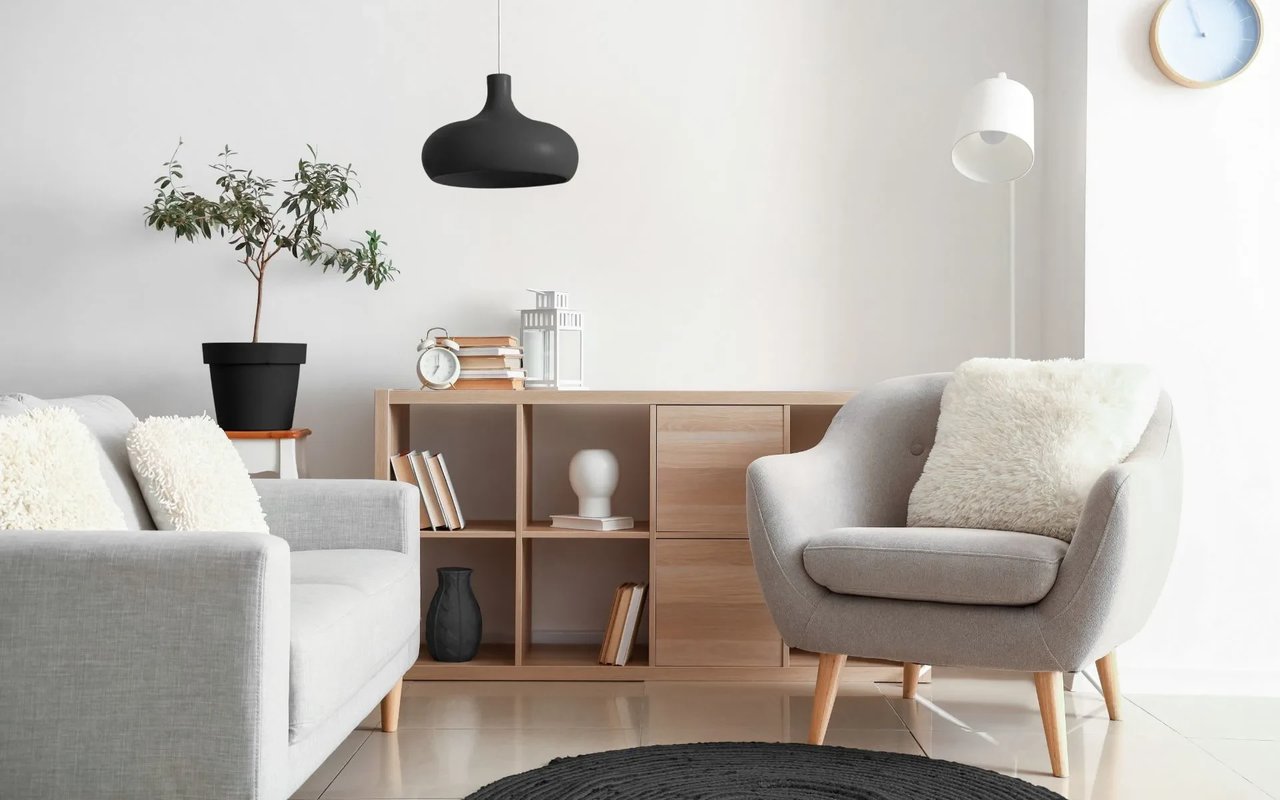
(201, 665)
(842, 575)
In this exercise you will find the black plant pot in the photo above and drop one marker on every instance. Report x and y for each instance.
(453, 619)
(255, 385)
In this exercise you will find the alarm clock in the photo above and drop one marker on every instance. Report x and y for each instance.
(438, 363)
(1202, 43)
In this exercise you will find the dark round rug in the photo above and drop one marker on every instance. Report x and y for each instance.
(745, 770)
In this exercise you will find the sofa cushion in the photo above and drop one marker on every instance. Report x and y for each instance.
(353, 611)
(109, 420)
(941, 565)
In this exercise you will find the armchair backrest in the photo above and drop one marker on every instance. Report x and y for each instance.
(109, 420)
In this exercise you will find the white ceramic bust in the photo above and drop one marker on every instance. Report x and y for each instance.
(593, 474)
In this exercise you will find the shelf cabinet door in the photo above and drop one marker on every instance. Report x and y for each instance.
(709, 608)
(702, 453)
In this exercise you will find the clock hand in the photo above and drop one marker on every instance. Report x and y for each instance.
(1195, 18)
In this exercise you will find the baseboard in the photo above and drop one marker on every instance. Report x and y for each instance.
(1165, 680)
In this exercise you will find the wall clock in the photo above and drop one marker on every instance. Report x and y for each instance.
(1202, 43)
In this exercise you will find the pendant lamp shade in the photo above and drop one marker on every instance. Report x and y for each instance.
(995, 140)
(499, 148)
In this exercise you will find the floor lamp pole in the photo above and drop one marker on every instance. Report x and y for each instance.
(1013, 274)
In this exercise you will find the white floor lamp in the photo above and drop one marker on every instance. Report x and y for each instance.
(995, 143)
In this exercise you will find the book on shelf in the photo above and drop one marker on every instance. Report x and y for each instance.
(577, 523)
(403, 471)
(631, 627)
(504, 352)
(430, 496)
(483, 341)
(624, 624)
(608, 630)
(490, 383)
(490, 362)
(443, 484)
(470, 374)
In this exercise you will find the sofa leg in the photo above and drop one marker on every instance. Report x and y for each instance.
(1053, 714)
(391, 708)
(824, 694)
(1109, 677)
(910, 679)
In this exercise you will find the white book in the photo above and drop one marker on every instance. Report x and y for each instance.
(577, 523)
(430, 499)
(455, 508)
(629, 628)
(491, 351)
(491, 373)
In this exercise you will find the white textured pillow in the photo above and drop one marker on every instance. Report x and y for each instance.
(51, 475)
(192, 477)
(1021, 443)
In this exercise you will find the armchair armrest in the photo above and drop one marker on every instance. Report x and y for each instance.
(342, 514)
(143, 664)
(1120, 554)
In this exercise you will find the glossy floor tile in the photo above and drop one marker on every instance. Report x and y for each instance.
(455, 737)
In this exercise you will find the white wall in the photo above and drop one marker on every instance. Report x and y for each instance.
(1182, 244)
(765, 197)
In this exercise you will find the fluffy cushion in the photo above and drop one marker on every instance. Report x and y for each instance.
(50, 478)
(1020, 443)
(192, 477)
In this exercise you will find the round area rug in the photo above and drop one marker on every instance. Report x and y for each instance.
(745, 770)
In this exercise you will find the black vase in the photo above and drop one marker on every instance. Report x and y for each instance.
(453, 619)
(255, 385)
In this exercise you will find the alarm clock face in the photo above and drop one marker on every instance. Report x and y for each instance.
(1201, 43)
(438, 367)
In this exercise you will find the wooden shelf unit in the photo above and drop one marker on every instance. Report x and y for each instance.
(706, 618)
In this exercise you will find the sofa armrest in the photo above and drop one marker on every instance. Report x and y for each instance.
(143, 664)
(342, 514)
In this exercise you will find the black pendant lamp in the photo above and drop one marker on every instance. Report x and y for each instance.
(499, 148)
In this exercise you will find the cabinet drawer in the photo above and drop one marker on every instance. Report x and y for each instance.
(709, 608)
(702, 453)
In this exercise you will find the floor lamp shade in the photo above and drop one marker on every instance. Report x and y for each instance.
(995, 140)
(499, 148)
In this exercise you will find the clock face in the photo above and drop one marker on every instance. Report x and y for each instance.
(1201, 43)
(438, 367)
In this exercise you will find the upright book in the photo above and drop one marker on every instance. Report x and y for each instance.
(443, 484)
(402, 469)
(631, 624)
(430, 497)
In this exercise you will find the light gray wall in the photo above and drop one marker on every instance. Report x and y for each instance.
(765, 198)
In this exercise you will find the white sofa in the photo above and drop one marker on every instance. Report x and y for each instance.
(201, 665)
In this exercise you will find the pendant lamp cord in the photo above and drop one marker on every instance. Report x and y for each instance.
(499, 35)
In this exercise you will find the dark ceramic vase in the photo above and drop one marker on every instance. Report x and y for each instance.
(453, 618)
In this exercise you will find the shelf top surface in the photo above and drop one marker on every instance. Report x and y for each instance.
(609, 397)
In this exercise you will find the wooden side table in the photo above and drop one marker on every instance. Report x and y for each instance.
(273, 454)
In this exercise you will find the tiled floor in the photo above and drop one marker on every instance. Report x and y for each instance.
(456, 737)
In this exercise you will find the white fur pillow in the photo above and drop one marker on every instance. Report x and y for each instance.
(1021, 443)
(192, 477)
(51, 475)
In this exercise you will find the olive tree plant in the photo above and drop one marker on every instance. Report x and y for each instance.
(264, 217)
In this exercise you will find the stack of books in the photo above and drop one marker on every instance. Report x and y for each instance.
(439, 509)
(490, 362)
(624, 624)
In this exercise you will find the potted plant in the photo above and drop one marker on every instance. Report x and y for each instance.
(255, 384)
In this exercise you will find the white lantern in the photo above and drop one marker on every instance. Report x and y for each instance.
(552, 339)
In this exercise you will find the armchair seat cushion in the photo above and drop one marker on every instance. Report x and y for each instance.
(939, 565)
(352, 612)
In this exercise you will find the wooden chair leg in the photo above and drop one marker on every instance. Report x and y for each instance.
(1053, 714)
(910, 679)
(1109, 677)
(391, 708)
(824, 694)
